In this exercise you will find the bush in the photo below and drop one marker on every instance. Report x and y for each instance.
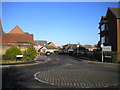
(11, 53)
(96, 56)
(113, 55)
(25, 58)
(30, 53)
(56, 52)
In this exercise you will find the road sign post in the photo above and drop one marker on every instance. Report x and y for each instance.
(102, 51)
(105, 48)
(78, 50)
(18, 57)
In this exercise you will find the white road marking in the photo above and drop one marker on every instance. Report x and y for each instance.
(35, 77)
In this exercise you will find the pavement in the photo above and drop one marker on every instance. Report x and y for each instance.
(97, 62)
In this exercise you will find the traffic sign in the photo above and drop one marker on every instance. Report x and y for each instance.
(19, 55)
(106, 48)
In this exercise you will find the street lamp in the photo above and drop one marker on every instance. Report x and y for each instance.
(102, 50)
(78, 49)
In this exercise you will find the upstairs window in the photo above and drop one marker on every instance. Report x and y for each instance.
(103, 39)
(103, 27)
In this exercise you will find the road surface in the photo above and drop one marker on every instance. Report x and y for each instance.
(61, 71)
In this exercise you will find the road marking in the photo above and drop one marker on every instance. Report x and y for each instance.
(35, 77)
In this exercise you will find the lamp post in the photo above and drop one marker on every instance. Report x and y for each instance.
(102, 50)
(78, 50)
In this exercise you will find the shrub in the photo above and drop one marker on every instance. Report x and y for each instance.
(11, 53)
(25, 58)
(97, 56)
(30, 52)
(56, 52)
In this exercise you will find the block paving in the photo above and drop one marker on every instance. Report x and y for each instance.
(78, 78)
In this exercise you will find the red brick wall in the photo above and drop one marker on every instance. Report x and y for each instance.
(118, 38)
(112, 30)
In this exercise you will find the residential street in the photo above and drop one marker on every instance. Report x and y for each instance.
(61, 71)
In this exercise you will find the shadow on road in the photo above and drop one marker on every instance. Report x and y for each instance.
(10, 78)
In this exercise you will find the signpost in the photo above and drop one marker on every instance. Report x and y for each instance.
(78, 49)
(19, 57)
(102, 51)
(105, 48)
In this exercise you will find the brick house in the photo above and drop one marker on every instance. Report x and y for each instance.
(44, 46)
(16, 37)
(90, 47)
(110, 29)
(1, 31)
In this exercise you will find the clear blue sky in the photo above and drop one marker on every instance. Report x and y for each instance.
(57, 22)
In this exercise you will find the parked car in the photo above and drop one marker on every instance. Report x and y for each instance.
(47, 53)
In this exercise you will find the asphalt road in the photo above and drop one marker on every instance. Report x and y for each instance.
(61, 71)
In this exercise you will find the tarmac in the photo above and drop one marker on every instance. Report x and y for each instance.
(43, 59)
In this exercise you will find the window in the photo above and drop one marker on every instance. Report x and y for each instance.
(103, 39)
(107, 39)
(103, 27)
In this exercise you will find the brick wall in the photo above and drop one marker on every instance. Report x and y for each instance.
(4, 47)
(112, 30)
(118, 38)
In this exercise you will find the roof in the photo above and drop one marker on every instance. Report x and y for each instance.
(17, 38)
(16, 35)
(16, 30)
(81, 49)
(52, 44)
(70, 47)
(115, 11)
(87, 46)
(50, 47)
(1, 30)
(40, 42)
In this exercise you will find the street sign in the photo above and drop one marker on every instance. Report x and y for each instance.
(19, 55)
(108, 56)
(106, 48)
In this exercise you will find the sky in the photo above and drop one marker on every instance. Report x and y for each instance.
(58, 22)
